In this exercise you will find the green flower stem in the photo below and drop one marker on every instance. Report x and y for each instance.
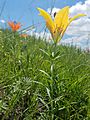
(52, 70)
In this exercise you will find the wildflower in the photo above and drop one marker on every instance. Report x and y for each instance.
(14, 25)
(58, 26)
(24, 35)
(23, 42)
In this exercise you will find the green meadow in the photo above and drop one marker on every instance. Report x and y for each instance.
(42, 81)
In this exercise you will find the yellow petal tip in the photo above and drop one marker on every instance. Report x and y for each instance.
(39, 10)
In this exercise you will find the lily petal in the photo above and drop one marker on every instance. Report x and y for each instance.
(76, 16)
(11, 24)
(48, 19)
(17, 26)
(61, 18)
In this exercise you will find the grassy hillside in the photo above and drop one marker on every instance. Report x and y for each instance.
(40, 81)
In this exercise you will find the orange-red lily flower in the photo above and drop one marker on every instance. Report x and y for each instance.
(24, 35)
(14, 25)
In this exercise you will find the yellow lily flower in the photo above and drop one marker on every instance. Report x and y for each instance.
(58, 26)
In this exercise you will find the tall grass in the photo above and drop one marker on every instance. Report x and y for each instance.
(40, 81)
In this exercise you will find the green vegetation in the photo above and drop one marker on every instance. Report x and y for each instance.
(40, 81)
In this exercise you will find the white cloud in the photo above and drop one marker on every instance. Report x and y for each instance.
(3, 21)
(80, 28)
(43, 35)
(76, 39)
(52, 11)
(81, 8)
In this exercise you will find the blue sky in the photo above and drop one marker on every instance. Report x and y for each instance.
(25, 10)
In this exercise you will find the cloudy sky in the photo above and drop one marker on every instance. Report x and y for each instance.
(25, 12)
